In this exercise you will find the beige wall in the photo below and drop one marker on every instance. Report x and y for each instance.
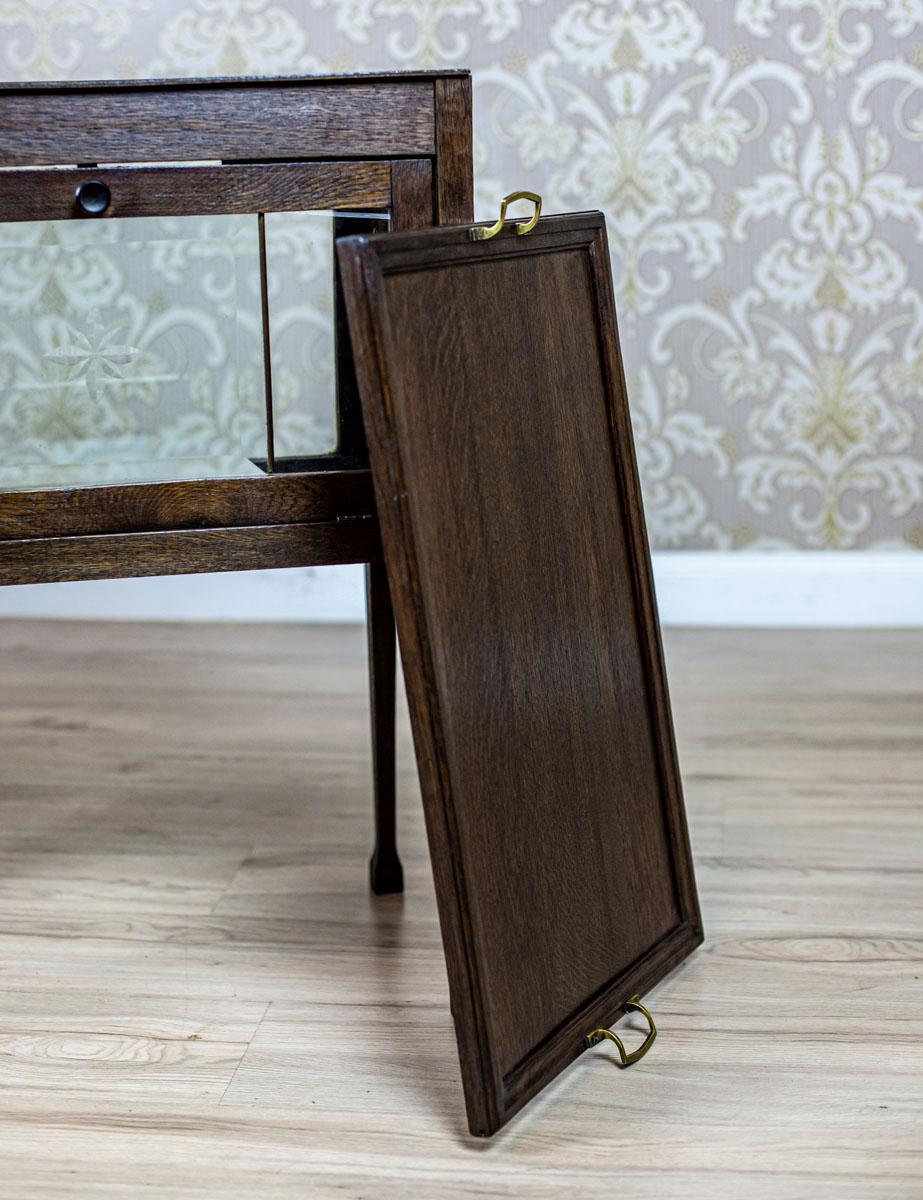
(760, 163)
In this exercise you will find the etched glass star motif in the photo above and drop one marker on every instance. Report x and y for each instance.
(94, 355)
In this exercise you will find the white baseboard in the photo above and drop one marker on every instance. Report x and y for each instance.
(298, 594)
(790, 589)
(800, 588)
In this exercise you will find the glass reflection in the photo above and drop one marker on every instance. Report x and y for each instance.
(132, 349)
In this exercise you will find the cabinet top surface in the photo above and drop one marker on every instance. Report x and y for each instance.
(382, 78)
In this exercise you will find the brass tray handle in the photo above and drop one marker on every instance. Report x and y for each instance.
(595, 1036)
(481, 233)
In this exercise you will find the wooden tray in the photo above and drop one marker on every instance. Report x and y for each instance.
(507, 492)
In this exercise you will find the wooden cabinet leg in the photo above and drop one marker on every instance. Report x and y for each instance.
(386, 872)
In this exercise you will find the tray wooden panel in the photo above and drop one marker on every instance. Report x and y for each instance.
(514, 539)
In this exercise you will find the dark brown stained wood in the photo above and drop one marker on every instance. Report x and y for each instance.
(48, 194)
(411, 193)
(514, 539)
(321, 510)
(181, 552)
(386, 874)
(350, 433)
(250, 118)
(455, 161)
(206, 503)
(210, 82)
(411, 208)
(255, 121)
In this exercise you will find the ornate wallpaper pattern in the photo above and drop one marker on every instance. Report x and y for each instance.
(133, 349)
(760, 164)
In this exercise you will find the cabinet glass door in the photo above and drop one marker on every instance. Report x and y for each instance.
(166, 348)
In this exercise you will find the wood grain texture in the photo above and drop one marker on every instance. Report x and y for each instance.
(412, 207)
(183, 901)
(48, 193)
(184, 551)
(324, 514)
(178, 122)
(200, 504)
(510, 511)
(454, 152)
(265, 121)
(210, 82)
(412, 195)
(350, 432)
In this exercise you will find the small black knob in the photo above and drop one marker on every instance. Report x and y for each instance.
(93, 197)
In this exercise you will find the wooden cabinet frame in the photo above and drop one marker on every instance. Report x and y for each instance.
(397, 144)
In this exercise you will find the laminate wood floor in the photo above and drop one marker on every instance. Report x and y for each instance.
(200, 998)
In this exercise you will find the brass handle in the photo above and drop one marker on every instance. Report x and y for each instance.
(595, 1036)
(481, 233)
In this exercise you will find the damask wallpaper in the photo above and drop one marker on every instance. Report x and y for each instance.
(760, 163)
(132, 350)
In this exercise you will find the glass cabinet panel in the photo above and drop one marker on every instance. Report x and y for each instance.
(300, 275)
(135, 349)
